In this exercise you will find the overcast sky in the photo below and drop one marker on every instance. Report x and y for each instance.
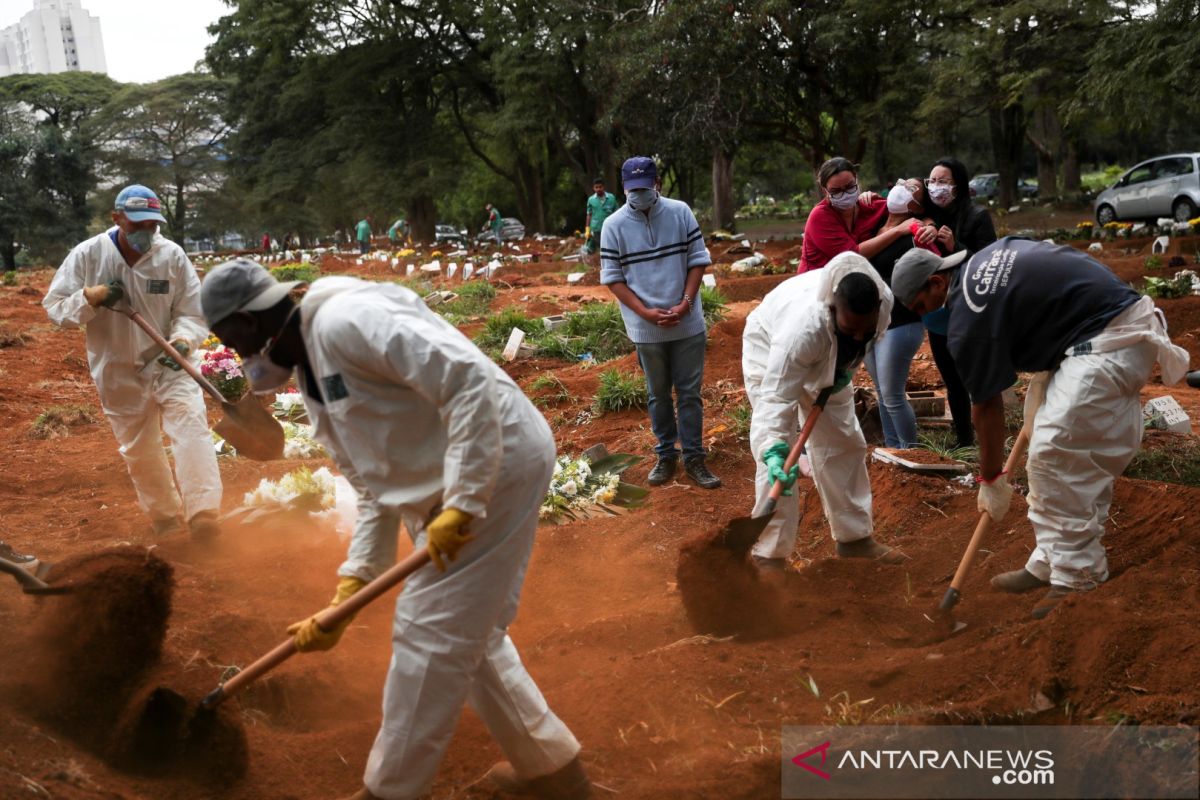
(143, 42)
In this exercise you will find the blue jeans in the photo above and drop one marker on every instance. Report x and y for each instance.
(678, 364)
(888, 364)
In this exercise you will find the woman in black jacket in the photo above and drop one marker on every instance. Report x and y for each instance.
(960, 225)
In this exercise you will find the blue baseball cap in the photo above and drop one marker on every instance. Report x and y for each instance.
(639, 172)
(139, 204)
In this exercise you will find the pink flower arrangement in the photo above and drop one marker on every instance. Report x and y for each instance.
(223, 367)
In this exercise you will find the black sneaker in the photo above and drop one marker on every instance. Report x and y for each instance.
(698, 471)
(663, 471)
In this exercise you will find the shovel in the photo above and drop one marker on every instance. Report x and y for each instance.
(247, 426)
(31, 583)
(742, 532)
(984, 526)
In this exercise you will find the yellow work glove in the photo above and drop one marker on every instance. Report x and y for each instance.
(308, 635)
(587, 233)
(446, 536)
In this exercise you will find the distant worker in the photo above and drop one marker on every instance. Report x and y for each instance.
(494, 222)
(431, 434)
(362, 233)
(652, 257)
(142, 390)
(1092, 341)
(398, 232)
(600, 206)
(265, 245)
(809, 334)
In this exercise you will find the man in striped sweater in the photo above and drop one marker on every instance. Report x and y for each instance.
(652, 257)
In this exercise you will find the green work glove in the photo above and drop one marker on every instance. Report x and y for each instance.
(841, 379)
(308, 635)
(447, 534)
(775, 458)
(182, 348)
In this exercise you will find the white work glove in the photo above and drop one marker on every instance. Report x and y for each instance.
(1035, 395)
(995, 496)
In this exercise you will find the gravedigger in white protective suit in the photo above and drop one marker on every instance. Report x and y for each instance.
(810, 333)
(1092, 341)
(431, 434)
(142, 390)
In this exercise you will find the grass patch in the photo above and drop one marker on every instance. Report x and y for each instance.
(1176, 462)
(296, 272)
(8, 338)
(715, 305)
(550, 391)
(497, 329)
(739, 420)
(597, 328)
(619, 391)
(416, 284)
(942, 442)
(474, 299)
(10, 278)
(57, 421)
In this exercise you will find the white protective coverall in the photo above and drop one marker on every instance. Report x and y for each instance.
(418, 418)
(789, 352)
(141, 397)
(1084, 435)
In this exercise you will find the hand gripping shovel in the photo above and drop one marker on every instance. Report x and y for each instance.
(742, 532)
(247, 426)
(982, 529)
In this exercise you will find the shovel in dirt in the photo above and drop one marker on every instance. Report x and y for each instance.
(31, 582)
(247, 426)
(982, 528)
(741, 532)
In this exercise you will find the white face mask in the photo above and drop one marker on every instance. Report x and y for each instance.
(263, 374)
(899, 198)
(941, 194)
(641, 199)
(844, 201)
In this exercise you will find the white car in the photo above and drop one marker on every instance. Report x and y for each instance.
(1167, 186)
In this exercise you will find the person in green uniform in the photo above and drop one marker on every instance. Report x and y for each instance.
(600, 206)
(362, 232)
(494, 221)
(398, 233)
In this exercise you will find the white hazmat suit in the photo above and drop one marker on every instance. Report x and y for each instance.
(789, 353)
(1084, 435)
(418, 419)
(141, 397)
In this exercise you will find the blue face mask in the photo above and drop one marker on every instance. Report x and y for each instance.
(641, 199)
(140, 240)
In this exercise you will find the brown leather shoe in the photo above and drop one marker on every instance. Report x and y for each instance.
(1050, 600)
(204, 526)
(1018, 581)
(869, 548)
(569, 782)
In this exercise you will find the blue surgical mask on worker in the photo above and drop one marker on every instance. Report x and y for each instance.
(263, 374)
(843, 200)
(898, 198)
(141, 239)
(641, 199)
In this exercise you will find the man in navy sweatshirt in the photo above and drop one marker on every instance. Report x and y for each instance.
(652, 257)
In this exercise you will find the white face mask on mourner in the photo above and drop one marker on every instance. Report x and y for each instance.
(899, 198)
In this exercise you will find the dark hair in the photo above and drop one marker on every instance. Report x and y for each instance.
(832, 167)
(955, 215)
(858, 292)
(597, 180)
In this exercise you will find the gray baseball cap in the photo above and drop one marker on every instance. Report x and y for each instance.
(914, 268)
(240, 285)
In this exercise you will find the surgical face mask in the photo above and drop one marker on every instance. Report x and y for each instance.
(641, 199)
(844, 200)
(263, 374)
(942, 194)
(899, 198)
(140, 240)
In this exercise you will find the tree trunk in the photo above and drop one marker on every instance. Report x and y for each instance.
(1007, 128)
(722, 188)
(1072, 181)
(1045, 134)
(8, 252)
(530, 203)
(422, 218)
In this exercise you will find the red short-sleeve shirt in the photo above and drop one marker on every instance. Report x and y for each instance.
(826, 235)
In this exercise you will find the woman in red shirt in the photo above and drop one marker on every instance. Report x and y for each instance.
(840, 223)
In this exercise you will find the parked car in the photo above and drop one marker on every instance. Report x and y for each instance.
(511, 231)
(1167, 186)
(448, 234)
(987, 186)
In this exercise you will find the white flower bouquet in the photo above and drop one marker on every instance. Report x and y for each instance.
(580, 488)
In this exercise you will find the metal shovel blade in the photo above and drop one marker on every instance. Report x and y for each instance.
(251, 429)
(30, 583)
(740, 534)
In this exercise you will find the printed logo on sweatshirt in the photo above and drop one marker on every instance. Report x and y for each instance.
(158, 287)
(334, 387)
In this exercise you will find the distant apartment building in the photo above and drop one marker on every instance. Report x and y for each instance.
(56, 36)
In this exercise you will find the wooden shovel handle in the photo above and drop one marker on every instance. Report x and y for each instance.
(794, 456)
(327, 619)
(985, 519)
(187, 365)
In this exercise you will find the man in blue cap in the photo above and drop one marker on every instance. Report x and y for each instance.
(142, 390)
(652, 257)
